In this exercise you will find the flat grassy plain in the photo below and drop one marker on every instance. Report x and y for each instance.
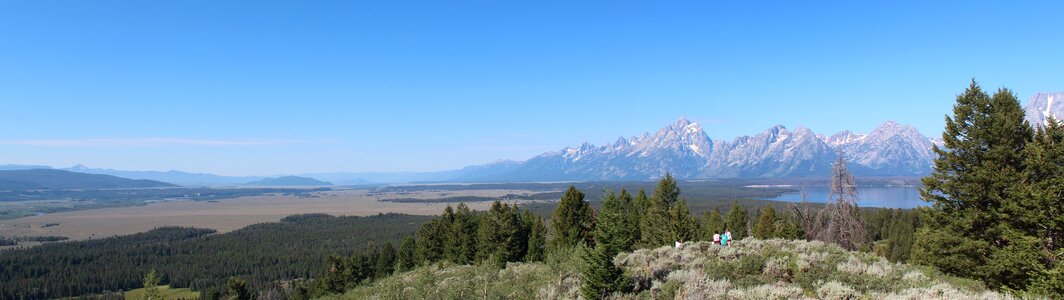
(226, 215)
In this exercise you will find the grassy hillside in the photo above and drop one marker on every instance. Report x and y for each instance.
(750, 269)
(166, 292)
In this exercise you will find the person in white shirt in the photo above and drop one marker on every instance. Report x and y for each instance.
(716, 238)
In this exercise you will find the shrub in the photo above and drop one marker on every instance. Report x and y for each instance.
(835, 290)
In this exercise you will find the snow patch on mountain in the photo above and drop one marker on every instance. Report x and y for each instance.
(1041, 106)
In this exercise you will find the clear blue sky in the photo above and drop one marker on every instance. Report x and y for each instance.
(264, 87)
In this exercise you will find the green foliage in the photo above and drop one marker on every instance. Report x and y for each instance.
(736, 221)
(600, 276)
(642, 208)
(996, 194)
(406, 257)
(164, 292)
(683, 225)
(1049, 282)
(572, 222)
(151, 286)
(667, 219)
(461, 242)
(430, 240)
(537, 239)
(503, 235)
(384, 261)
(766, 224)
(237, 289)
(773, 225)
(713, 223)
(630, 218)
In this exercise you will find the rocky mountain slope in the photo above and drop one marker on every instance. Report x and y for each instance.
(1043, 105)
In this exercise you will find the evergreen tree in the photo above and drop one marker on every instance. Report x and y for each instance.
(151, 286)
(970, 230)
(463, 237)
(788, 228)
(238, 289)
(900, 236)
(714, 223)
(572, 222)
(430, 241)
(632, 217)
(667, 192)
(487, 236)
(766, 224)
(642, 202)
(502, 234)
(385, 262)
(335, 279)
(601, 276)
(406, 257)
(451, 241)
(1039, 206)
(516, 233)
(736, 221)
(611, 230)
(658, 226)
(537, 240)
(683, 225)
(357, 269)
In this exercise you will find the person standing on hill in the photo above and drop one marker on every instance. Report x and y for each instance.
(716, 238)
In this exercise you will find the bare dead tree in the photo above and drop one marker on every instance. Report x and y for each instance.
(806, 215)
(838, 221)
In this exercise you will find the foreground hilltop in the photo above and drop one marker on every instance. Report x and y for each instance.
(750, 269)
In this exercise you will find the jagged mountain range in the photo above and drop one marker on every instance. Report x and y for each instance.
(682, 148)
(685, 150)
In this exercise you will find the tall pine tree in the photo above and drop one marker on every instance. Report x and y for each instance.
(969, 230)
(736, 221)
(537, 240)
(766, 223)
(714, 223)
(601, 276)
(1039, 206)
(572, 222)
(406, 257)
(659, 225)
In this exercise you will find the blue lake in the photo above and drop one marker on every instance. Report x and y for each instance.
(867, 196)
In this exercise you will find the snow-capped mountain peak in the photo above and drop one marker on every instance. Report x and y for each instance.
(1041, 106)
(842, 138)
(684, 149)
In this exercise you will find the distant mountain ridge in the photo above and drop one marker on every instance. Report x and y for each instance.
(172, 176)
(51, 179)
(289, 181)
